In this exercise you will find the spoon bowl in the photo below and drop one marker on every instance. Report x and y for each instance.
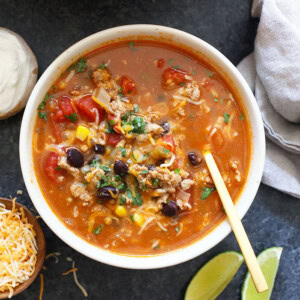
(41, 245)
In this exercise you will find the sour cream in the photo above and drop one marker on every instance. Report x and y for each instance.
(18, 72)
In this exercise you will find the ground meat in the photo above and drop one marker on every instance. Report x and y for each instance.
(202, 177)
(154, 128)
(191, 90)
(102, 78)
(81, 193)
(186, 184)
(72, 171)
(119, 107)
(75, 92)
(93, 177)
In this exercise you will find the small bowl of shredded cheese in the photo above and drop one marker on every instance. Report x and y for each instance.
(22, 248)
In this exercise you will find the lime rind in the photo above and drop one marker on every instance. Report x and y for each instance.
(214, 276)
(248, 289)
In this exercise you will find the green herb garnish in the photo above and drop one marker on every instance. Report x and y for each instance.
(123, 151)
(209, 73)
(206, 192)
(193, 73)
(226, 117)
(156, 247)
(72, 117)
(170, 61)
(242, 117)
(138, 201)
(102, 66)
(131, 46)
(131, 218)
(136, 109)
(177, 171)
(122, 200)
(43, 103)
(81, 65)
(145, 172)
(216, 100)
(112, 122)
(105, 168)
(58, 168)
(155, 181)
(176, 229)
(43, 115)
(166, 151)
(98, 229)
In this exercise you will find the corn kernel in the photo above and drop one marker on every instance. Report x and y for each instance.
(82, 132)
(138, 219)
(127, 127)
(120, 211)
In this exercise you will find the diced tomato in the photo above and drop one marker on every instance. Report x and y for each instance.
(50, 166)
(173, 77)
(56, 130)
(169, 142)
(66, 106)
(63, 109)
(127, 85)
(113, 139)
(115, 122)
(89, 108)
(160, 63)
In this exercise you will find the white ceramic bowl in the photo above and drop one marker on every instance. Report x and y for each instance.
(218, 61)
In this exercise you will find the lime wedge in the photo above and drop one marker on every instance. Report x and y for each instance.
(214, 276)
(269, 262)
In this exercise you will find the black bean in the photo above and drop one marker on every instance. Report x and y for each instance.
(120, 168)
(75, 158)
(194, 159)
(151, 167)
(166, 127)
(170, 208)
(99, 149)
(107, 193)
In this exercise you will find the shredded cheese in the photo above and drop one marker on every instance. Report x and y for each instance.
(83, 290)
(18, 248)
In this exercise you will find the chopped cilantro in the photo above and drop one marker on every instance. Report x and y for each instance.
(138, 125)
(166, 151)
(216, 100)
(209, 73)
(131, 218)
(131, 46)
(156, 247)
(145, 172)
(136, 109)
(43, 103)
(112, 122)
(155, 181)
(170, 61)
(102, 66)
(191, 116)
(133, 156)
(182, 84)
(176, 229)
(122, 200)
(124, 117)
(109, 129)
(120, 93)
(43, 115)
(118, 178)
(85, 183)
(98, 229)
(193, 73)
(123, 151)
(99, 201)
(71, 67)
(122, 186)
(81, 65)
(206, 192)
(58, 168)
(226, 117)
(242, 117)
(105, 168)
(72, 117)
(177, 171)
(137, 200)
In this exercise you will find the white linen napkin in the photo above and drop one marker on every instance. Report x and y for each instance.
(273, 73)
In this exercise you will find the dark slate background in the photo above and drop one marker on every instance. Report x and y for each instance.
(50, 27)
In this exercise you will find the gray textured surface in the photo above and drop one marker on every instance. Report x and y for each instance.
(273, 220)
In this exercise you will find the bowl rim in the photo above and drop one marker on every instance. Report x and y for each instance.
(191, 250)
